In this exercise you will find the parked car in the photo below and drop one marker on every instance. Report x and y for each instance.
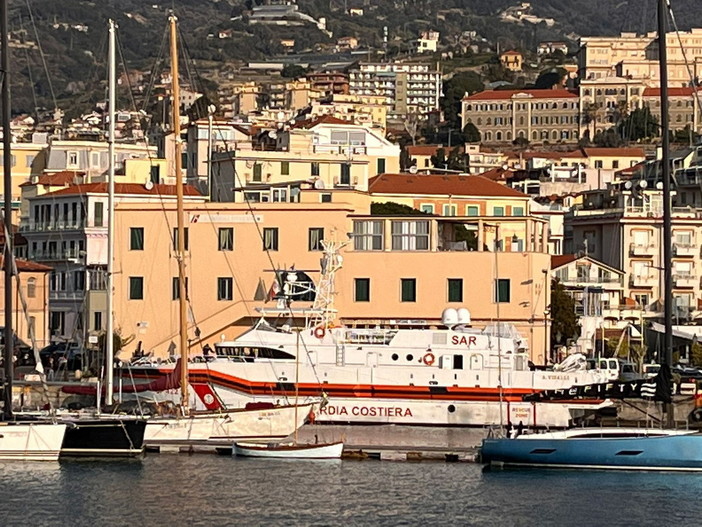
(72, 352)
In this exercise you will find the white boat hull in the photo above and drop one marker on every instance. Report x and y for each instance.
(223, 428)
(31, 441)
(311, 451)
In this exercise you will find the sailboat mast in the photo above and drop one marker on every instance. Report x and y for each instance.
(667, 359)
(7, 210)
(109, 337)
(180, 249)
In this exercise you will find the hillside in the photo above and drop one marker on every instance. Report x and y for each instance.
(73, 33)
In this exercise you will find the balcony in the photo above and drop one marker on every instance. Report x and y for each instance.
(643, 280)
(684, 280)
(54, 256)
(575, 280)
(346, 150)
(685, 249)
(645, 249)
(50, 226)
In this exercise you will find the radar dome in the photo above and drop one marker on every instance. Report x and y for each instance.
(449, 317)
(463, 316)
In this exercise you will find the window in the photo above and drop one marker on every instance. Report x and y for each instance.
(325, 198)
(340, 137)
(79, 280)
(361, 289)
(615, 164)
(314, 239)
(285, 168)
(408, 289)
(57, 321)
(72, 159)
(257, 172)
(345, 178)
(450, 209)
(427, 207)
(225, 288)
(517, 211)
(32, 287)
(368, 235)
(185, 239)
(381, 165)
(99, 211)
(502, 290)
(97, 321)
(155, 174)
(498, 211)
(175, 288)
(95, 159)
(270, 239)
(136, 238)
(226, 239)
(410, 235)
(314, 168)
(472, 210)
(136, 288)
(598, 163)
(455, 289)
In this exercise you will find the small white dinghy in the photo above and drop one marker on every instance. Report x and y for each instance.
(291, 451)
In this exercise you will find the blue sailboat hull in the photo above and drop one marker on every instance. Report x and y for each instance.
(612, 450)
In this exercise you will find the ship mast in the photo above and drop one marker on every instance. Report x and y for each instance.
(7, 211)
(109, 338)
(180, 248)
(667, 359)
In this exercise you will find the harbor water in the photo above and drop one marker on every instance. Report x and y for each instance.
(175, 490)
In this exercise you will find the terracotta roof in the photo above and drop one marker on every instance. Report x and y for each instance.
(423, 150)
(324, 119)
(497, 174)
(25, 266)
(124, 188)
(57, 179)
(512, 52)
(559, 260)
(439, 184)
(493, 95)
(618, 152)
(672, 92)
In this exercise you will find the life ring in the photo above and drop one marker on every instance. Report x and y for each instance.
(319, 332)
(428, 359)
(696, 415)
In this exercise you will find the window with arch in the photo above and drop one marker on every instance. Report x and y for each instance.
(498, 136)
(554, 135)
(32, 288)
(509, 136)
(535, 135)
(479, 121)
(565, 105)
(488, 136)
(554, 106)
(565, 135)
(521, 134)
(488, 121)
(521, 120)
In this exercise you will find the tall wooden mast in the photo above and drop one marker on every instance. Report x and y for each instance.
(180, 247)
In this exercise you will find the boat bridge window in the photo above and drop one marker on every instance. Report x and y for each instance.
(458, 362)
(250, 353)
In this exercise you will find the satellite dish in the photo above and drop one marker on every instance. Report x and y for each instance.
(643, 183)
(281, 116)
(319, 184)
(659, 185)
(149, 185)
(628, 185)
(272, 134)
(413, 169)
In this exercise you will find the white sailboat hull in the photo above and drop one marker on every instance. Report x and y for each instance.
(31, 441)
(223, 428)
(312, 451)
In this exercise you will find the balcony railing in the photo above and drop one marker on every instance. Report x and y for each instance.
(642, 249)
(47, 226)
(590, 280)
(684, 280)
(54, 256)
(645, 280)
(685, 249)
(340, 149)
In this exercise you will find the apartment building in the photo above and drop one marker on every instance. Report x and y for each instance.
(622, 227)
(333, 82)
(332, 153)
(28, 160)
(366, 110)
(635, 56)
(605, 101)
(683, 107)
(67, 230)
(548, 116)
(408, 88)
(397, 270)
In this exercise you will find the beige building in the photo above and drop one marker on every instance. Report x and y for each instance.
(245, 98)
(539, 116)
(331, 153)
(233, 247)
(605, 101)
(366, 110)
(28, 159)
(512, 60)
(636, 56)
(683, 107)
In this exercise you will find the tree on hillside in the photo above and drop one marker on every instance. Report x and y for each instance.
(471, 134)
(462, 83)
(393, 209)
(549, 78)
(639, 124)
(564, 321)
(292, 71)
(608, 139)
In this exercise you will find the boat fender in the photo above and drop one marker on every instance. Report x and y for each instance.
(311, 417)
(319, 332)
(429, 359)
(696, 415)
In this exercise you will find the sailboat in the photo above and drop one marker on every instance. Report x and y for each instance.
(216, 427)
(294, 450)
(619, 448)
(25, 441)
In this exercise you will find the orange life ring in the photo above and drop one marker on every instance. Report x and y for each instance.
(319, 332)
(428, 359)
